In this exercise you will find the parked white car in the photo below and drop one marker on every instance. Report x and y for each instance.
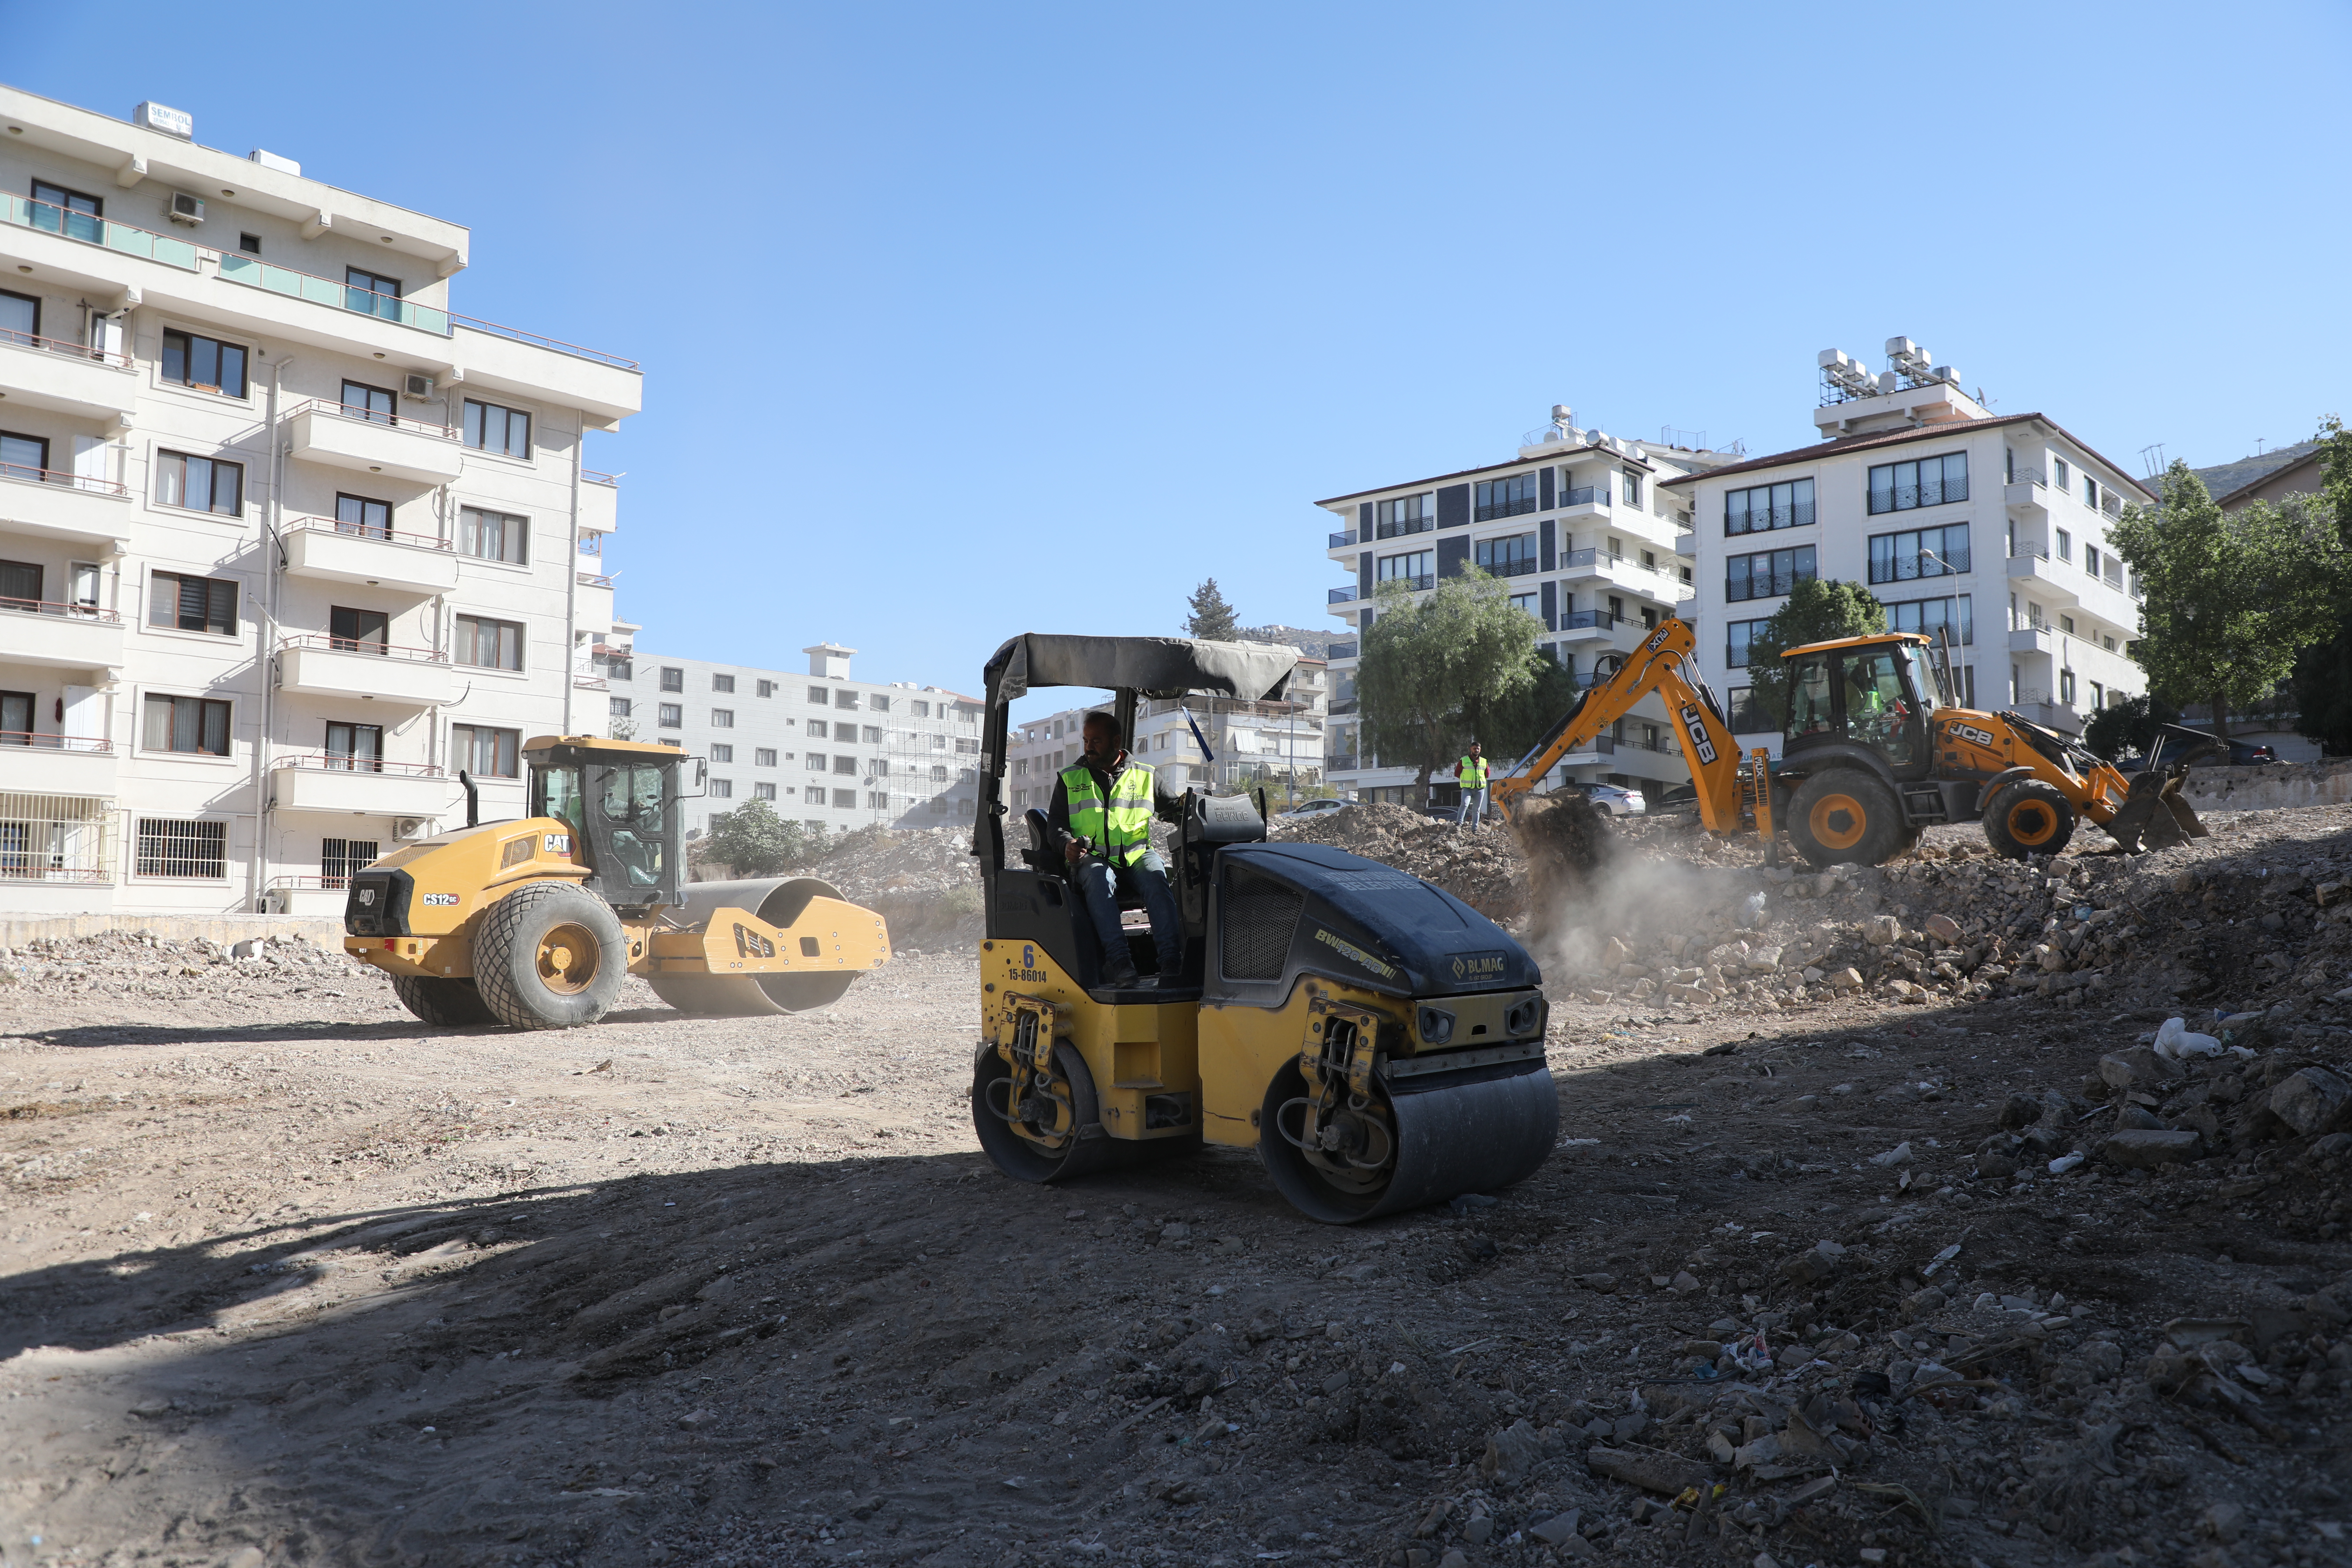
(1612, 800)
(1310, 809)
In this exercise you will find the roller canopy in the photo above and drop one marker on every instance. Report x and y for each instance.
(1157, 667)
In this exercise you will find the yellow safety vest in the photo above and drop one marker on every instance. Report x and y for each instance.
(1121, 832)
(1472, 773)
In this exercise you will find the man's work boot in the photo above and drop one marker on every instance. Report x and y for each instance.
(1121, 972)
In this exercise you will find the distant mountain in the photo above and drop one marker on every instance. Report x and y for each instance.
(1314, 645)
(2223, 478)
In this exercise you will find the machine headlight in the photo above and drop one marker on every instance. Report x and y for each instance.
(1526, 1018)
(1436, 1025)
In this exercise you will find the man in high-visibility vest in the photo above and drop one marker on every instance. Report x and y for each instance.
(1470, 772)
(1103, 806)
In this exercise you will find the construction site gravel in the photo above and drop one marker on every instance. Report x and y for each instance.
(1893, 1221)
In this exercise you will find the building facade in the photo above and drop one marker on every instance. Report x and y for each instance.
(829, 750)
(1990, 532)
(285, 542)
(1583, 524)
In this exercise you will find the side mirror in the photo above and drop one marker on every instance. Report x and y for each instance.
(701, 772)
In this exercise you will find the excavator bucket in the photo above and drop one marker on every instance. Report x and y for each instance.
(2154, 816)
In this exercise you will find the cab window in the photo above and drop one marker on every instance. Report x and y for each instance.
(1877, 707)
(1809, 696)
(633, 801)
(556, 792)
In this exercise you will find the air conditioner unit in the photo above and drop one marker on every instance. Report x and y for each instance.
(187, 209)
(410, 827)
(415, 385)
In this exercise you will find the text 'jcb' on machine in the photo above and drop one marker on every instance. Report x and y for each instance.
(1379, 1042)
(534, 923)
(1875, 751)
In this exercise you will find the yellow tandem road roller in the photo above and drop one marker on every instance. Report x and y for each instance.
(1379, 1042)
(534, 923)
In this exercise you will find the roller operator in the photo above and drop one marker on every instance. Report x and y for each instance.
(1102, 809)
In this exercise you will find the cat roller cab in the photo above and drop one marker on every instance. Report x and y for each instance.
(535, 923)
(1378, 1042)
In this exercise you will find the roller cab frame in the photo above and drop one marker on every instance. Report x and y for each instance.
(535, 922)
(1378, 1042)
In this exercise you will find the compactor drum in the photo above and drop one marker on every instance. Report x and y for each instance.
(536, 924)
(1378, 1042)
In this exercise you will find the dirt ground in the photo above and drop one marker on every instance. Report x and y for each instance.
(285, 1280)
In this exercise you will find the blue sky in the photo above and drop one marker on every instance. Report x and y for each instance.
(959, 320)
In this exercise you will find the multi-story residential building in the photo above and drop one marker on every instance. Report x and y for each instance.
(285, 541)
(1990, 532)
(1585, 526)
(830, 751)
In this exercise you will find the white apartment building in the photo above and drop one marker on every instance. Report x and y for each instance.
(1585, 526)
(830, 751)
(1993, 531)
(285, 542)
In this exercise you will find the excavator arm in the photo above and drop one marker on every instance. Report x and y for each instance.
(1663, 663)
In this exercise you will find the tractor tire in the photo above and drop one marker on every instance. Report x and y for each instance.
(550, 955)
(1082, 1148)
(445, 1003)
(1847, 817)
(2028, 817)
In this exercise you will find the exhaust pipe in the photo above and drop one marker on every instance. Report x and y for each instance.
(473, 798)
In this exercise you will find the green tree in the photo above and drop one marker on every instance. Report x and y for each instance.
(2127, 726)
(1817, 611)
(1211, 619)
(756, 842)
(1509, 724)
(1427, 666)
(2322, 685)
(2232, 598)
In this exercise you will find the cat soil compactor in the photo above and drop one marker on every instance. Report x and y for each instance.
(1377, 1041)
(1875, 751)
(534, 923)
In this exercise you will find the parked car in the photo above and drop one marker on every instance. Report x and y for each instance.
(1611, 800)
(1310, 810)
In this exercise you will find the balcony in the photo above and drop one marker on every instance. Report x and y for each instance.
(325, 431)
(323, 666)
(59, 637)
(1588, 626)
(83, 382)
(1584, 498)
(56, 764)
(322, 548)
(2034, 639)
(358, 787)
(1686, 545)
(104, 233)
(56, 505)
(1509, 566)
(1340, 540)
(1339, 650)
(1342, 595)
(255, 273)
(600, 501)
(2038, 568)
(592, 603)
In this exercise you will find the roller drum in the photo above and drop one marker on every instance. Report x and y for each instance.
(1472, 1134)
(778, 901)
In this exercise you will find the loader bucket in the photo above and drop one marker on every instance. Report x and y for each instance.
(2154, 816)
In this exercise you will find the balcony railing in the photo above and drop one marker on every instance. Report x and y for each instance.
(1401, 527)
(55, 608)
(1912, 498)
(1341, 596)
(25, 473)
(35, 740)
(1585, 495)
(70, 349)
(362, 644)
(255, 273)
(599, 476)
(1578, 620)
(50, 218)
(1416, 583)
(1509, 566)
(320, 882)
(517, 334)
(1342, 708)
(336, 763)
(1339, 762)
(1343, 650)
(592, 579)
(366, 415)
(307, 524)
(590, 683)
(1340, 541)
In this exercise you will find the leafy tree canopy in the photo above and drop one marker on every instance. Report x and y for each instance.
(1211, 619)
(756, 842)
(1428, 667)
(1817, 611)
(2127, 726)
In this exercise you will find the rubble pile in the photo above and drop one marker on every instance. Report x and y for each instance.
(1482, 867)
(925, 882)
(139, 964)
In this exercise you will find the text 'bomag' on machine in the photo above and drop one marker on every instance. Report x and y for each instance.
(1379, 1042)
(534, 923)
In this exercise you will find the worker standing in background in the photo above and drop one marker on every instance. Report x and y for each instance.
(1470, 772)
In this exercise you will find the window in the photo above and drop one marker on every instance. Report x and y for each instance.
(250, 243)
(2061, 476)
(763, 792)
(873, 734)
(618, 707)
(485, 753)
(176, 849)
(940, 772)
(1526, 601)
(351, 630)
(68, 212)
(877, 800)
(2065, 545)
(339, 857)
(1632, 487)
(878, 703)
(1768, 573)
(494, 535)
(845, 799)
(1929, 481)
(24, 457)
(199, 484)
(364, 515)
(1951, 614)
(2091, 559)
(965, 746)
(491, 428)
(1747, 716)
(722, 789)
(1513, 556)
(20, 318)
(2066, 625)
(845, 699)
(818, 761)
(722, 753)
(2107, 642)
(722, 683)
(844, 764)
(2090, 492)
(205, 364)
(192, 604)
(356, 748)
(373, 404)
(819, 696)
(1417, 570)
(938, 742)
(2066, 686)
(194, 724)
(764, 757)
(1408, 514)
(488, 644)
(673, 679)
(1506, 498)
(1763, 507)
(1737, 636)
(813, 794)
(372, 292)
(1923, 553)
(723, 718)
(766, 688)
(671, 715)
(2098, 697)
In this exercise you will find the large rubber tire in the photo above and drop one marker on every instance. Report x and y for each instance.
(550, 955)
(1023, 1159)
(1846, 817)
(444, 1003)
(2028, 817)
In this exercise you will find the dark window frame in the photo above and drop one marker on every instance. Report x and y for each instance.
(365, 407)
(1740, 582)
(38, 472)
(67, 212)
(513, 531)
(1898, 496)
(188, 354)
(1886, 564)
(159, 842)
(1797, 513)
(476, 428)
(215, 618)
(18, 334)
(364, 525)
(362, 292)
(355, 628)
(462, 636)
(1513, 495)
(506, 749)
(204, 718)
(165, 461)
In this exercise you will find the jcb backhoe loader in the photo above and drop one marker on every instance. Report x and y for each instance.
(1378, 1042)
(534, 923)
(1874, 751)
